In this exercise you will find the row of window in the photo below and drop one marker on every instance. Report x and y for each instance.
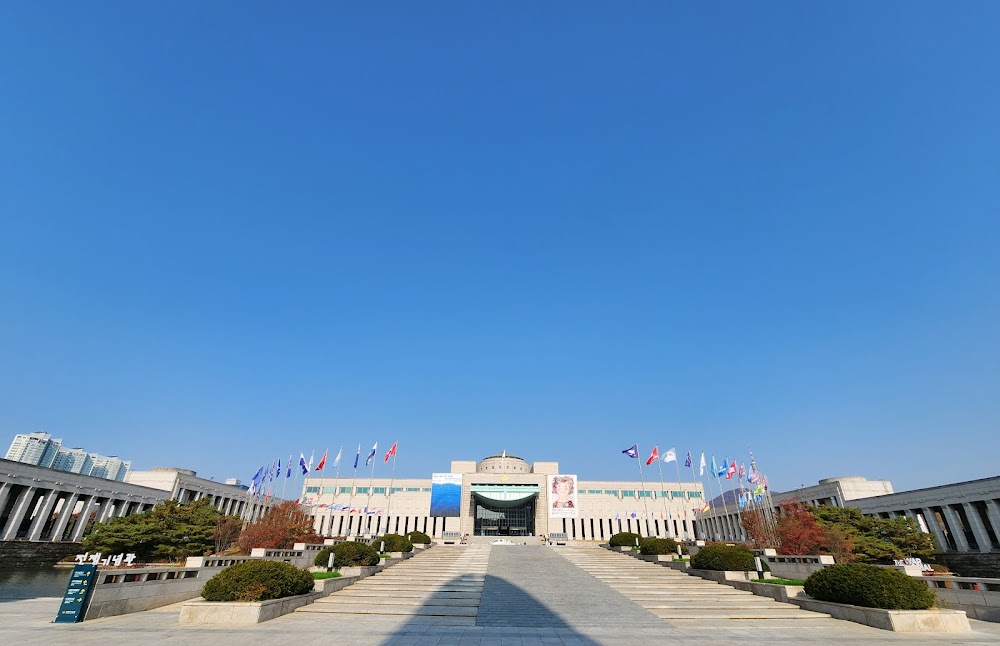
(365, 489)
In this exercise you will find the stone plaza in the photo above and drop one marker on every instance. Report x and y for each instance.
(496, 594)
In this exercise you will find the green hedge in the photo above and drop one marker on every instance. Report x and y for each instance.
(419, 537)
(870, 586)
(623, 539)
(723, 558)
(257, 581)
(348, 555)
(649, 546)
(394, 543)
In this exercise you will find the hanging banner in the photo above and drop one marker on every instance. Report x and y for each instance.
(562, 497)
(446, 494)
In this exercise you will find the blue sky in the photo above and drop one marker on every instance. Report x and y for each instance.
(234, 231)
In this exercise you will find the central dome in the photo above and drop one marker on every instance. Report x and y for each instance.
(503, 463)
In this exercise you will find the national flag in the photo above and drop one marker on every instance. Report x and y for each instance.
(743, 471)
(632, 452)
(731, 471)
(701, 467)
(671, 455)
(288, 473)
(336, 460)
(391, 452)
(322, 461)
(311, 457)
(371, 454)
(277, 472)
(302, 463)
(687, 460)
(759, 490)
(706, 508)
(754, 476)
(721, 471)
(357, 457)
(255, 482)
(653, 457)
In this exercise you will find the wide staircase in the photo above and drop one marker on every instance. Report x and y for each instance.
(674, 595)
(444, 582)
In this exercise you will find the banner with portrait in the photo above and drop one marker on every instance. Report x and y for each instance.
(562, 497)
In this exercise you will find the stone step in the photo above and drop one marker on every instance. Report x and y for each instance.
(766, 613)
(407, 594)
(376, 602)
(397, 609)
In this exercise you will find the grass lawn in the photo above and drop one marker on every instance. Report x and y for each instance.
(779, 581)
(325, 575)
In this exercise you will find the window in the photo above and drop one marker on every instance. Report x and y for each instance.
(677, 494)
(362, 490)
(628, 494)
(378, 489)
(413, 488)
(312, 489)
(645, 494)
(395, 489)
(345, 490)
(329, 489)
(611, 492)
(694, 494)
(594, 491)
(426, 489)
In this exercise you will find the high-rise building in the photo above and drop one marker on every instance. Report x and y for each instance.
(41, 450)
(34, 448)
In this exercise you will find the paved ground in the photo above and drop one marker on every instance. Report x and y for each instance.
(575, 608)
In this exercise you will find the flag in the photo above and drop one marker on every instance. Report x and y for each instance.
(256, 479)
(759, 491)
(671, 456)
(357, 457)
(302, 463)
(719, 471)
(731, 471)
(288, 473)
(372, 454)
(754, 476)
(322, 461)
(743, 471)
(701, 467)
(277, 472)
(311, 456)
(706, 507)
(336, 460)
(632, 452)
(391, 452)
(654, 456)
(687, 460)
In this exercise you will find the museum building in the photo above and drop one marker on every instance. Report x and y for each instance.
(501, 495)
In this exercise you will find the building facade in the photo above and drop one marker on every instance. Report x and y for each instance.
(40, 449)
(502, 495)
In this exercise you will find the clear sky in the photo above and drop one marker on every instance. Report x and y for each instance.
(234, 231)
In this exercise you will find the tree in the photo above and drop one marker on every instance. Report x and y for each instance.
(757, 529)
(877, 540)
(798, 531)
(227, 532)
(169, 531)
(281, 527)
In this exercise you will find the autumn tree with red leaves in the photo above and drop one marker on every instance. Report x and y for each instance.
(798, 531)
(281, 527)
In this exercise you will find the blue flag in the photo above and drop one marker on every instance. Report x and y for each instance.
(288, 474)
(687, 461)
(372, 454)
(302, 463)
(357, 457)
(721, 471)
(632, 452)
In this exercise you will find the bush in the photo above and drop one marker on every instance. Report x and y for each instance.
(347, 555)
(658, 546)
(257, 581)
(419, 537)
(394, 543)
(870, 586)
(623, 539)
(723, 558)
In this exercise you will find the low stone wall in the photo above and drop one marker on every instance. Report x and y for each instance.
(900, 621)
(329, 586)
(36, 553)
(120, 592)
(777, 592)
(245, 613)
(797, 567)
(978, 597)
(722, 576)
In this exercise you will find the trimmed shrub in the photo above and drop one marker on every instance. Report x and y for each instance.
(623, 539)
(354, 554)
(394, 543)
(658, 546)
(257, 581)
(323, 557)
(870, 586)
(723, 558)
(419, 537)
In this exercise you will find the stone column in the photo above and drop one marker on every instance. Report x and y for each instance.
(21, 507)
(5, 489)
(64, 515)
(955, 524)
(81, 522)
(107, 509)
(992, 513)
(42, 517)
(935, 528)
(976, 524)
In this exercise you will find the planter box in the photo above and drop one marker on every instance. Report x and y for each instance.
(360, 571)
(782, 593)
(329, 586)
(900, 621)
(657, 558)
(720, 576)
(236, 613)
(421, 546)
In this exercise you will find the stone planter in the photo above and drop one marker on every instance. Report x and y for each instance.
(657, 558)
(359, 571)
(722, 576)
(900, 621)
(237, 613)
(420, 546)
(782, 593)
(328, 586)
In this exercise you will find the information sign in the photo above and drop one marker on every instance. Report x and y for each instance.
(74, 602)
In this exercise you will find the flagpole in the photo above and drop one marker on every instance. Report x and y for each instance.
(643, 483)
(711, 494)
(336, 478)
(391, 480)
(722, 494)
(288, 472)
(350, 502)
(694, 516)
(659, 466)
(371, 479)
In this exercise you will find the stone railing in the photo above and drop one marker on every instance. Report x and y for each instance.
(796, 567)
(978, 597)
(123, 591)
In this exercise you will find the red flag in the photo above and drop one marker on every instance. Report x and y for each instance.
(653, 457)
(322, 461)
(391, 452)
(731, 471)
